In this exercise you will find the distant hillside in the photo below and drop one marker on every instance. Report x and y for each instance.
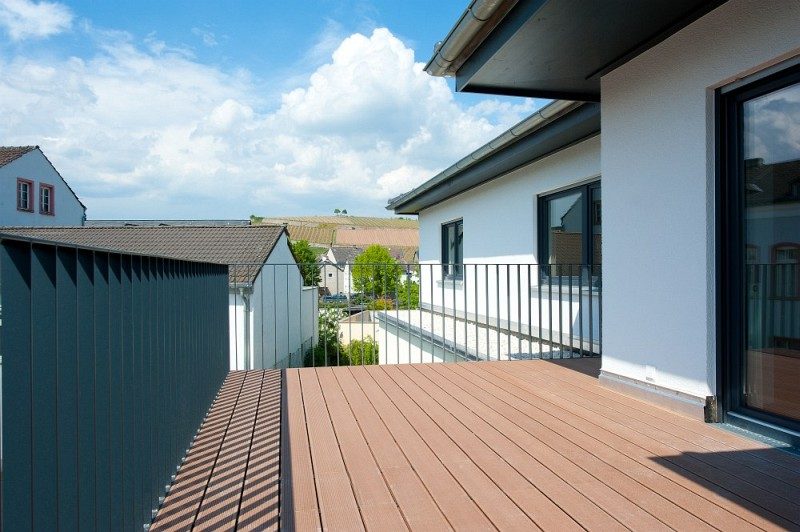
(325, 231)
(345, 220)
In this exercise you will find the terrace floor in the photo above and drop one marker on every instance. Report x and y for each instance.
(478, 445)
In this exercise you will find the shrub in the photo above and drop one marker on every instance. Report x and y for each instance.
(381, 304)
(362, 352)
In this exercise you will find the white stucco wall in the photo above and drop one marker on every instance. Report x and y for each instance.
(500, 216)
(500, 227)
(658, 190)
(283, 315)
(35, 167)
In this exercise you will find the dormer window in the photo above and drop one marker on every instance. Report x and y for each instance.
(46, 197)
(24, 195)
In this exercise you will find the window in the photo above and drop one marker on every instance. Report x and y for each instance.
(46, 197)
(452, 249)
(24, 195)
(786, 271)
(570, 231)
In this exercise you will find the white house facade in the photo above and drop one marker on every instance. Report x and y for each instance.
(697, 160)
(33, 193)
(273, 316)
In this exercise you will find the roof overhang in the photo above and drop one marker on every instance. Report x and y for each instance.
(555, 48)
(555, 127)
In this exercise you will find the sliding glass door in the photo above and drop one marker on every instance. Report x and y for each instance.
(761, 244)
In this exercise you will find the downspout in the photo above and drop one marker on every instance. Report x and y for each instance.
(245, 292)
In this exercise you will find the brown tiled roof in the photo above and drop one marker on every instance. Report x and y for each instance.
(404, 254)
(219, 244)
(11, 153)
(346, 254)
(384, 236)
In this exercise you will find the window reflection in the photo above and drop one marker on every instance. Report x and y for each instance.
(771, 158)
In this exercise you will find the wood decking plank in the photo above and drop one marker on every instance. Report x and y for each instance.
(665, 499)
(503, 512)
(692, 475)
(220, 503)
(185, 495)
(760, 488)
(299, 506)
(459, 509)
(337, 501)
(415, 502)
(369, 486)
(570, 490)
(259, 504)
(758, 456)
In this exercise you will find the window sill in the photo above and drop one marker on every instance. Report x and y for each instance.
(456, 283)
(565, 290)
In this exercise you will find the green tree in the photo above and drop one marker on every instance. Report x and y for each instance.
(255, 220)
(408, 295)
(336, 211)
(307, 260)
(375, 272)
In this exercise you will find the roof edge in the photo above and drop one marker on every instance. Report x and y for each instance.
(537, 120)
(475, 23)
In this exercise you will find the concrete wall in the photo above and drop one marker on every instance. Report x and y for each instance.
(509, 239)
(282, 320)
(35, 167)
(658, 190)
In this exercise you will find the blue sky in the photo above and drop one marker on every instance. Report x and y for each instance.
(210, 110)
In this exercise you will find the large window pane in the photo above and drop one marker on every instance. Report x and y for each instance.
(566, 229)
(452, 248)
(771, 163)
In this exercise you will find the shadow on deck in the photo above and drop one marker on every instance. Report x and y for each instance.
(508, 445)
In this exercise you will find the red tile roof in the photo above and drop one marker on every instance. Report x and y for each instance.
(12, 153)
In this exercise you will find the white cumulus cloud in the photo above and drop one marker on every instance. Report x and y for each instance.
(143, 131)
(24, 19)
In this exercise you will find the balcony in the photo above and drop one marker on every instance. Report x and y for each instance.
(505, 445)
(474, 404)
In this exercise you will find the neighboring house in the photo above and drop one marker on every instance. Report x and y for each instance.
(698, 165)
(273, 318)
(33, 193)
(336, 276)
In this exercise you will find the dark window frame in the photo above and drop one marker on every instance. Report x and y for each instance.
(51, 211)
(452, 267)
(731, 246)
(543, 229)
(30, 184)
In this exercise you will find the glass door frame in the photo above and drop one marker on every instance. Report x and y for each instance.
(731, 249)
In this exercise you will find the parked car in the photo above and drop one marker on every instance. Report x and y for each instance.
(334, 298)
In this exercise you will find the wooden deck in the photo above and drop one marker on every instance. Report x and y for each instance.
(484, 445)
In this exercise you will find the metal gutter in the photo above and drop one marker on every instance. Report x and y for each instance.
(470, 25)
(540, 118)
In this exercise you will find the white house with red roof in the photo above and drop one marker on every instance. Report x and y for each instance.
(33, 192)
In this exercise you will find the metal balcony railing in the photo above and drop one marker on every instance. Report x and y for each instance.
(109, 364)
(291, 315)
